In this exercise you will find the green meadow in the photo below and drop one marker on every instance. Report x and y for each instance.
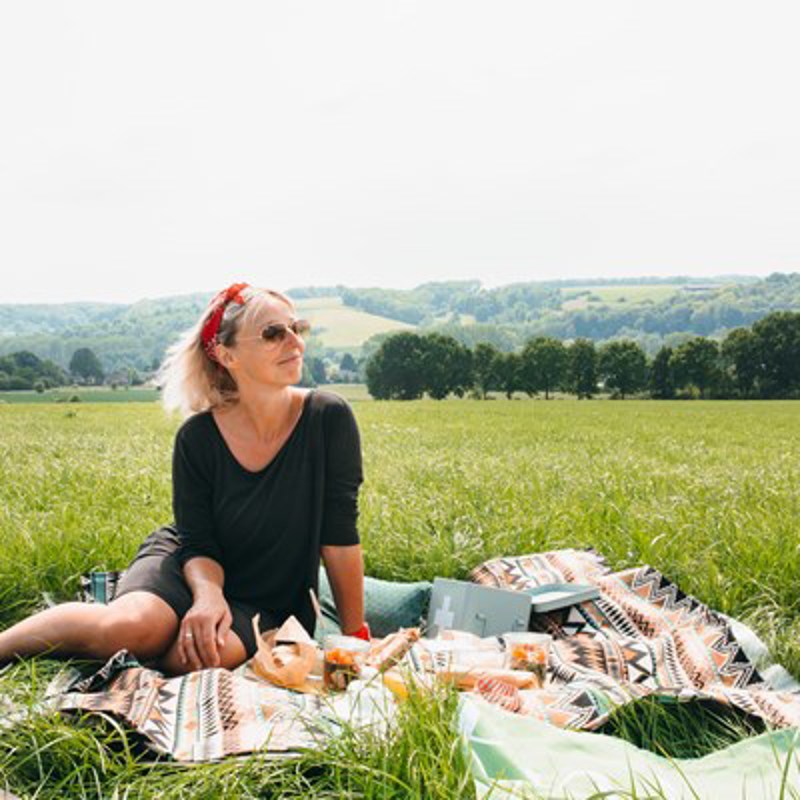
(338, 325)
(708, 492)
(83, 394)
(587, 296)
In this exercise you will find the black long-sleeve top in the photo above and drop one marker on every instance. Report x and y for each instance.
(266, 528)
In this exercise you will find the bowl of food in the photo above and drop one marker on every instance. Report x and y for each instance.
(343, 657)
(529, 652)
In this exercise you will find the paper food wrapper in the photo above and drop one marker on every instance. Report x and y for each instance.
(386, 652)
(285, 655)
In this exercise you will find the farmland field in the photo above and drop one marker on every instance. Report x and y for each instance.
(104, 394)
(83, 394)
(338, 325)
(587, 296)
(708, 492)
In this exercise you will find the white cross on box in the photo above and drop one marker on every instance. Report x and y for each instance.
(443, 616)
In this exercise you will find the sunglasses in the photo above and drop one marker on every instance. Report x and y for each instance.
(275, 333)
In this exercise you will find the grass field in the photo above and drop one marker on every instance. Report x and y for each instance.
(707, 492)
(338, 325)
(66, 394)
(104, 394)
(611, 295)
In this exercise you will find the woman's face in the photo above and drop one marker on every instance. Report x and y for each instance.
(276, 360)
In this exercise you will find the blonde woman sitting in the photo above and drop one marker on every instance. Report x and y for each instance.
(265, 482)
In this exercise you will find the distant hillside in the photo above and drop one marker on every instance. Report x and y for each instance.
(468, 301)
(649, 310)
(340, 327)
(121, 335)
(705, 309)
(137, 335)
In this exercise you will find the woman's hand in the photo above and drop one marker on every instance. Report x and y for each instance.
(203, 630)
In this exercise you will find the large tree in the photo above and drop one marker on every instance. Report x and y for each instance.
(623, 367)
(507, 373)
(778, 335)
(484, 367)
(582, 368)
(741, 354)
(85, 364)
(446, 366)
(394, 372)
(544, 363)
(23, 370)
(316, 367)
(661, 380)
(696, 363)
(348, 363)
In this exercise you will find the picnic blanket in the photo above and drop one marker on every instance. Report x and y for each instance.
(642, 636)
(513, 756)
(212, 713)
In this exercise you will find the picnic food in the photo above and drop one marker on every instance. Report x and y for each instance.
(389, 650)
(469, 678)
(500, 692)
(528, 652)
(342, 661)
(530, 658)
(285, 656)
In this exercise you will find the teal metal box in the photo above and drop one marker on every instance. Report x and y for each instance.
(482, 610)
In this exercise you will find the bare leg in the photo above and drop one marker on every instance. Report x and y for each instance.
(140, 622)
(231, 655)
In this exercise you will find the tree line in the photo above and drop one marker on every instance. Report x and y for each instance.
(423, 305)
(539, 309)
(134, 336)
(24, 370)
(762, 361)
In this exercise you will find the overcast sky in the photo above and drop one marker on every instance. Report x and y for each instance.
(154, 148)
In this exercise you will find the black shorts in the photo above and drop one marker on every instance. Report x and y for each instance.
(156, 569)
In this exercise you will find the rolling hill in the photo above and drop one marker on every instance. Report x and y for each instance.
(650, 310)
(138, 334)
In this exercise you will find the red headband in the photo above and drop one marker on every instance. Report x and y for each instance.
(218, 306)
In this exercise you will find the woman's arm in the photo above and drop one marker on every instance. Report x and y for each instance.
(206, 624)
(340, 546)
(192, 493)
(345, 568)
(204, 627)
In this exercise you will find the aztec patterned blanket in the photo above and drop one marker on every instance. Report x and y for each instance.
(642, 637)
(201, 716)
(212, 713)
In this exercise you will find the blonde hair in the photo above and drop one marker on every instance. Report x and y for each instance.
(189, 379)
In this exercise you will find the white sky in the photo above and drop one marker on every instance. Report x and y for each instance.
(154, 148)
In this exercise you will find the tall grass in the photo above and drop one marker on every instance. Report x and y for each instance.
(680, 730)
(94, 757)
(707, 492)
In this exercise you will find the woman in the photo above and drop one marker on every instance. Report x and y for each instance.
(265, 480)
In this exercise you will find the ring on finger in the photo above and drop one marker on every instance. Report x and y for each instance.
(188, 635)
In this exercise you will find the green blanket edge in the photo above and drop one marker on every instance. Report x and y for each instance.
(515, 756)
